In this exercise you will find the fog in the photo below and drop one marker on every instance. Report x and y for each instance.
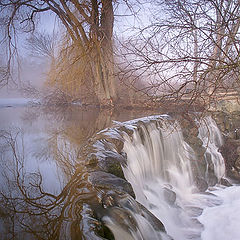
(28, 69)
(31, 73)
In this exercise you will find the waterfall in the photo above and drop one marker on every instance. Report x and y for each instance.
(168, 181)
(212, 140)
(159, 152)
(159, 168)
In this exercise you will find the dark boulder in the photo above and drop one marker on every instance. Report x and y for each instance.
(103, 180)
(112, 163)
(225, 182)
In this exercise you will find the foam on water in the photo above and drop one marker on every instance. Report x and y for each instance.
(222, 222)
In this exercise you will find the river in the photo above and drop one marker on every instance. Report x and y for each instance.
(41, 158)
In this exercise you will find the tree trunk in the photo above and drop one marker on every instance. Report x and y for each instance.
(104, 80)
(103, 61)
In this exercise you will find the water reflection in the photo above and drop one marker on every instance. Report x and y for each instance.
(45, 192)
(29, 210)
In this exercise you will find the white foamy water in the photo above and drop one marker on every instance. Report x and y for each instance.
(212, 140)
(222, 222)
(160, 171)
(159, 168)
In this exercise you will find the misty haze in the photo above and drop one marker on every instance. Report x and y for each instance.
(119, 120)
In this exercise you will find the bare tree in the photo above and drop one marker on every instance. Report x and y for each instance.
(89, 25)
(4, 63)
(189, 50)
(41, 44)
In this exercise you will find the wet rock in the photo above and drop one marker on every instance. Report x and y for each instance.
(169, 195)
(127, 130)
(137, 208)
(108, 201)
(124, 155)
(237, 163)
(230, 123)
(229, 153)
(118, 144)
(234, 174)
(211, 178)
(199, 168)
(225, 182)
(107, 161)
(105, 233)
(114, 137)
(91, 160)
(238, 150)
(190, 134)
(193, 211)
(195, 221)
(201, 184)
(155, 222)
(104, 180)
(91, 227)
(112, 163)
(231, 135)
(237, 133)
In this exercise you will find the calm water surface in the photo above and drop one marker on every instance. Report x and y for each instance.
(39, 149)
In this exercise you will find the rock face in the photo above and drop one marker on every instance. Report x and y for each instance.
(202, 165)
(113, 201)
(169, 195)
(232, 157)
(103, 180)
(201, 184)
(229, 123)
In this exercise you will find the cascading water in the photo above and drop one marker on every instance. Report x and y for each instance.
(164, 173)
(212, 140)
(159, 152)
(159, 168)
